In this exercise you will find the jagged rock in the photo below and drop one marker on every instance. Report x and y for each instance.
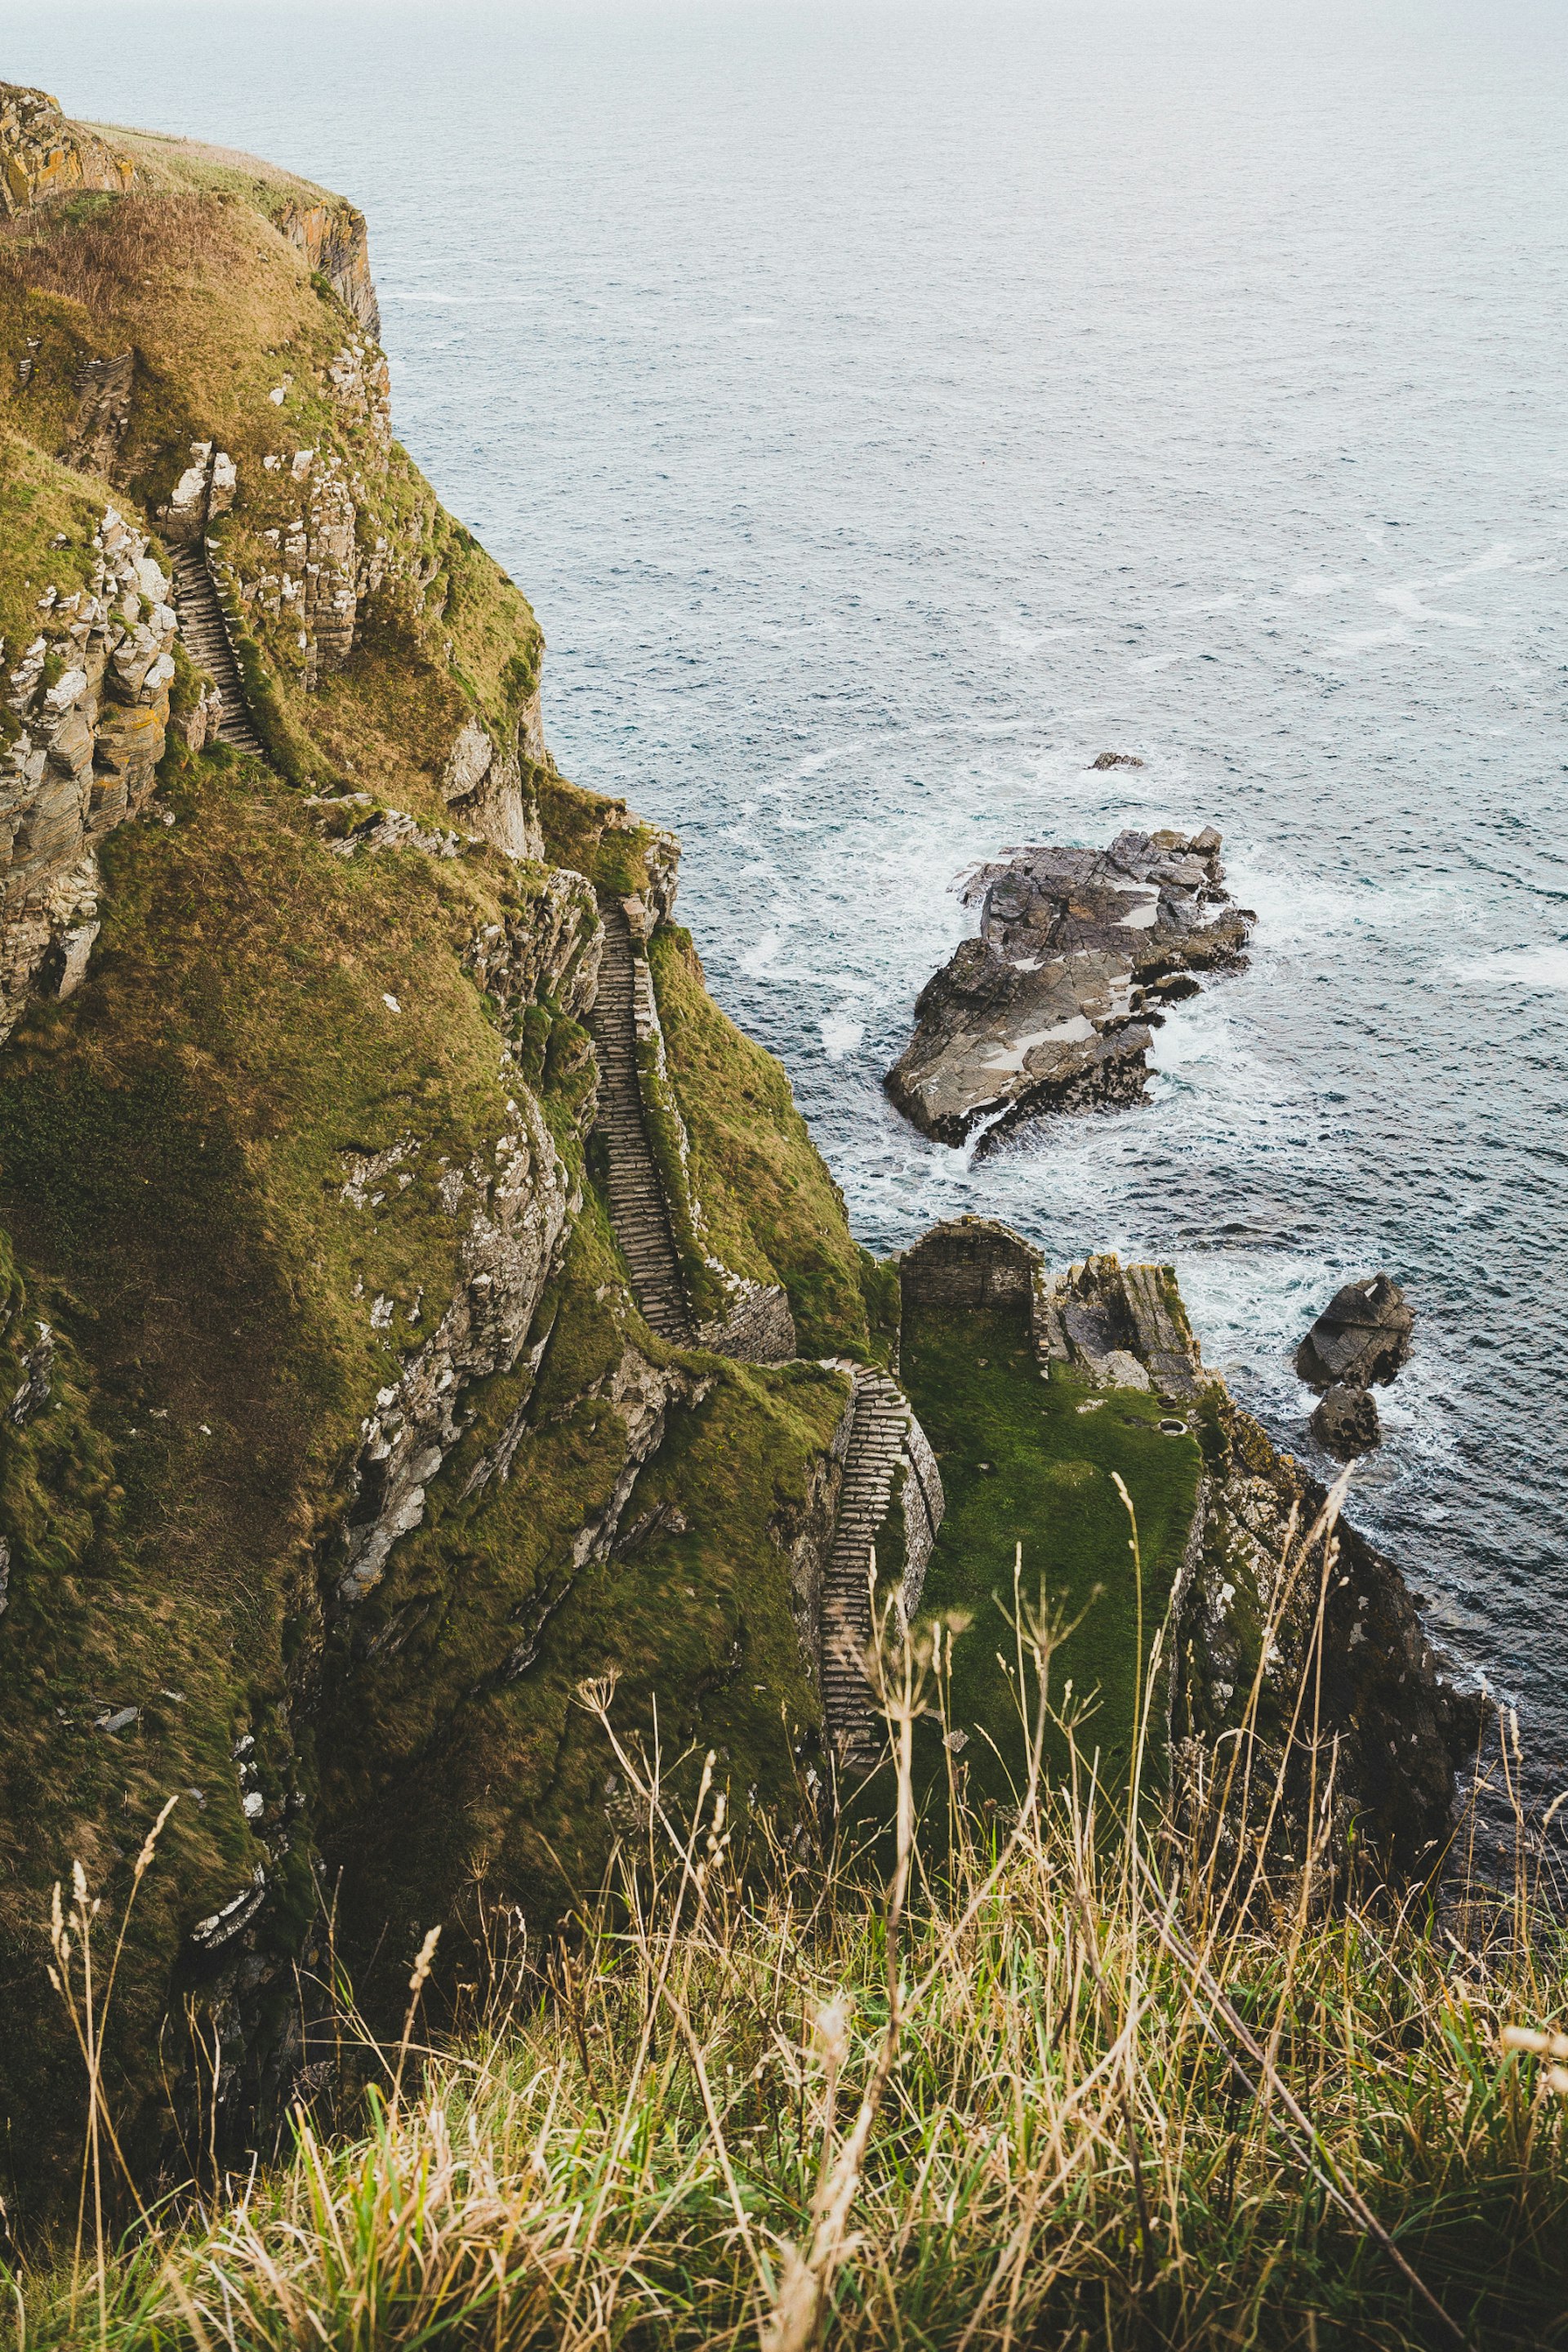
(1117, 760)
(512, 1246)
(42, 154)
(1042, 1010)
(1344, 1421)
(331, 233)
(1360, 1338)
(82, 758)
(483, 784)
(1388, 1727)
(38, 1365)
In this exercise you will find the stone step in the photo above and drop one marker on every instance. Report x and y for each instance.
(638, 1210)
(206, 632)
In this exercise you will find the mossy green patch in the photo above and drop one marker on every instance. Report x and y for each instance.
(1024, 1463)
(40, 501)
(770, 1208)
(459, 1746)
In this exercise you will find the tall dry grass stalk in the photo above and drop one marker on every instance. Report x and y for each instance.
(1076, 2079)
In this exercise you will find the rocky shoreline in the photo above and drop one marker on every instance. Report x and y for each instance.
(1053, 1005)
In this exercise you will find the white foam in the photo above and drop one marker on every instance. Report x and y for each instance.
(840, 1036)
(1535, 967)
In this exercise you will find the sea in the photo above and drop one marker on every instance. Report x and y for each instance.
(889, 409)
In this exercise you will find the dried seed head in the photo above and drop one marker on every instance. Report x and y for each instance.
(830, 2030)
(422, 1965)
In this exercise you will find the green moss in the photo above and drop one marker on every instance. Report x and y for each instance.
(39, 501)
(770, 1210)
(592, 835)
(458, 1746)
(173, 1152)
(1022, 1464)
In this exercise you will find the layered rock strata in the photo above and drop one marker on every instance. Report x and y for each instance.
(1049, 1007)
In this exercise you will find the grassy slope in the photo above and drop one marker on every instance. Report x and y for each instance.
(974, 1382)
(773, 1210)
(170, 1157)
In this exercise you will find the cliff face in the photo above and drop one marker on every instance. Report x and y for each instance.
(340, 1449)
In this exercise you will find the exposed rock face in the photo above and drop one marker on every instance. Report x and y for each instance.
(332, 237)
(42, 154)
(1344, 1421)
(1380, 1724)
(91, 695)
(483, 787)
(1124, 1325)
(1360, 1338)
(323, 573)
(1042, 1011)
(516, 1231)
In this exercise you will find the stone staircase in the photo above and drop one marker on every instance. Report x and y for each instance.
(638, 1210)
(877, 1430)
(206, 632)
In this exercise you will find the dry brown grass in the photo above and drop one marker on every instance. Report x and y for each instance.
(98, 250)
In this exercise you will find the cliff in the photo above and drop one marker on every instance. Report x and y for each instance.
(416, 1298)
(342, 1447)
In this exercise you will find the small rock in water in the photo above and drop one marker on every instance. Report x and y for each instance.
(1360, 1338)
(1117, 760)
(1344, 1421)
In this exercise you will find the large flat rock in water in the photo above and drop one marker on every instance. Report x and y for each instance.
(1049, 1008)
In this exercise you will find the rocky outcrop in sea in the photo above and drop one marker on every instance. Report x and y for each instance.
(1359, 1340)
(1052, 1006)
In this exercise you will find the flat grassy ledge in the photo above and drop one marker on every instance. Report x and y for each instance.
(1029, 1462)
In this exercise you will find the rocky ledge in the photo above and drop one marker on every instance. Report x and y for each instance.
(1050, 1008)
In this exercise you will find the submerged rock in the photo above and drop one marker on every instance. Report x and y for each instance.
(1042, 1010)
(1360, 1338)
(1345, 1422)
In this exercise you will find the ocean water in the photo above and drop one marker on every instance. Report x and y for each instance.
(889, 409)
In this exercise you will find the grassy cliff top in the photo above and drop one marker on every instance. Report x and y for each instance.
(165, 162)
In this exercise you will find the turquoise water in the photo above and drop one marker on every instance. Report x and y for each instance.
(890, 410)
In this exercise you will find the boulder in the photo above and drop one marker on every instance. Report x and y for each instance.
(1048, 1008)
(1360, 1338)
(1344, 1421)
